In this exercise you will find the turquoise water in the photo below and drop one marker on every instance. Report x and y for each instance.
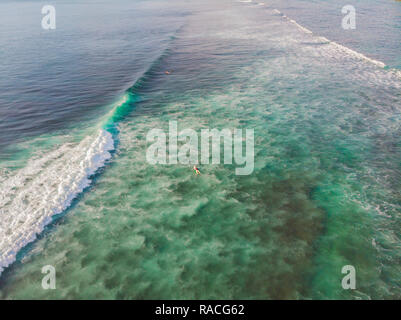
(324, 192)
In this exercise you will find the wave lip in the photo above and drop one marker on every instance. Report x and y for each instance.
(46, 187)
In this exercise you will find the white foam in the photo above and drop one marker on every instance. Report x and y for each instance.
(45, 187)
(357, 54)
(338, 46)
(301, 27)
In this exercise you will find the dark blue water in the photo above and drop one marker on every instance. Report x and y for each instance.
(53, 79)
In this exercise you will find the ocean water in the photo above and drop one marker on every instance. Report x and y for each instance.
(76, 191)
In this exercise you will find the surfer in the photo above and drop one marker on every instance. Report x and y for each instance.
(196, 170)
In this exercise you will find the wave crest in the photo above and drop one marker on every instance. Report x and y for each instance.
(45, 187)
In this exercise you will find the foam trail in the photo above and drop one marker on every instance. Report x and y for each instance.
(45, 187)
(339, 46)
(300, 27)
(357, 54)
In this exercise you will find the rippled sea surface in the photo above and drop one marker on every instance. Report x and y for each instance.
(76, 191)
